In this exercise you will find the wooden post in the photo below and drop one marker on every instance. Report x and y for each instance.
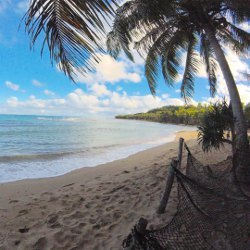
(181, 141)
(170, 179)
(169, 184)
(141, 226)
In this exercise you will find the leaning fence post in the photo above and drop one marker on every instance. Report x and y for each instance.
(170, 179)
(181, 141)
(169, 184)
(141, 226)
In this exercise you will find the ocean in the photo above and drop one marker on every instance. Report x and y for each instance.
(46, 146)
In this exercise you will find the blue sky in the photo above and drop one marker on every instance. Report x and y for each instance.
(29, 84)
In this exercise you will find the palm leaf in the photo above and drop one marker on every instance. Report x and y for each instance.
(241, 38)
(135, 19)
(165, 48)
(191, 68)
(72, 30)
(172, 56)
(207, 54)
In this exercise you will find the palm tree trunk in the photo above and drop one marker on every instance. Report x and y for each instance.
(242, 144)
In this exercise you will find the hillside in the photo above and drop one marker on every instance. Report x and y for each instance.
(188, 115)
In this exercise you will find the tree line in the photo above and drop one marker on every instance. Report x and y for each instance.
(188, 115)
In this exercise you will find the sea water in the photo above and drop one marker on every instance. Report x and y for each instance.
(46, 146)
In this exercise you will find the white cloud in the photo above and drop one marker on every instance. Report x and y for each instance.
(99, 89)
(4, 5)
(244, 91)
(238, 66)
(245, 26)
(36, 83)
(119, 88)
(22, 6)
(12, 86)
(48, 92)
(99, 100)
(109, 70)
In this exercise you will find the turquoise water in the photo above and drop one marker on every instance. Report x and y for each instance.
(45, 146)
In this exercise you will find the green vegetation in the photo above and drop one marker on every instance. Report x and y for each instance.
(217, 127)
(188, 115)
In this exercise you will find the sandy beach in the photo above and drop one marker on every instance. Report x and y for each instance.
(92, 208)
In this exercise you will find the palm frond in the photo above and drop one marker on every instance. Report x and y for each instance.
(146, 42)
(135, 19)
(152, 62)
(167, 49)
(207, 54)
(191, 68)
(72, 30)
(239, 10)
(242, 37)
(172, 57)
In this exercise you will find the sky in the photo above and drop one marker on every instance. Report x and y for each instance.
(30, 84)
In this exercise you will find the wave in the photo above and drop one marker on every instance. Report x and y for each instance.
(34, 157)
(52, 156)
(56, 119)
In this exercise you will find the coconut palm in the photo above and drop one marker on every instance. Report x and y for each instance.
(160, 30)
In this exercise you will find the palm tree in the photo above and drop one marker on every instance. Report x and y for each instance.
(159, 29)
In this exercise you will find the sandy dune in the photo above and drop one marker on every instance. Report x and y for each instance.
(91, 208)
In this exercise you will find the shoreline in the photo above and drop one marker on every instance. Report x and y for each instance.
(187, 135)
(121, 153)
(95, 207)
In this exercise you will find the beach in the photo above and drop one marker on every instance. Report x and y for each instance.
(93, 208)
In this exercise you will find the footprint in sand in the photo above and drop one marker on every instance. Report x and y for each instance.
(125, 172)
(117, 214)
(75, 231)
(13, 201)
(52, 221)
(92, 220)
(53, 198)
(23, 212)
(41, 243)
(46, 193)
(24, 230)
(81, 225)
(96, 227)
(106, 198)
(154, 184)
(109, 208)
(17, 242)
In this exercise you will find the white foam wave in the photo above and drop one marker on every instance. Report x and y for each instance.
(62, 165)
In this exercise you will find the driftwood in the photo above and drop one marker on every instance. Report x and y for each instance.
(170, 179)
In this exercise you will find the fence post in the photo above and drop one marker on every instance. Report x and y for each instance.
(170, 179)
(181, 141)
